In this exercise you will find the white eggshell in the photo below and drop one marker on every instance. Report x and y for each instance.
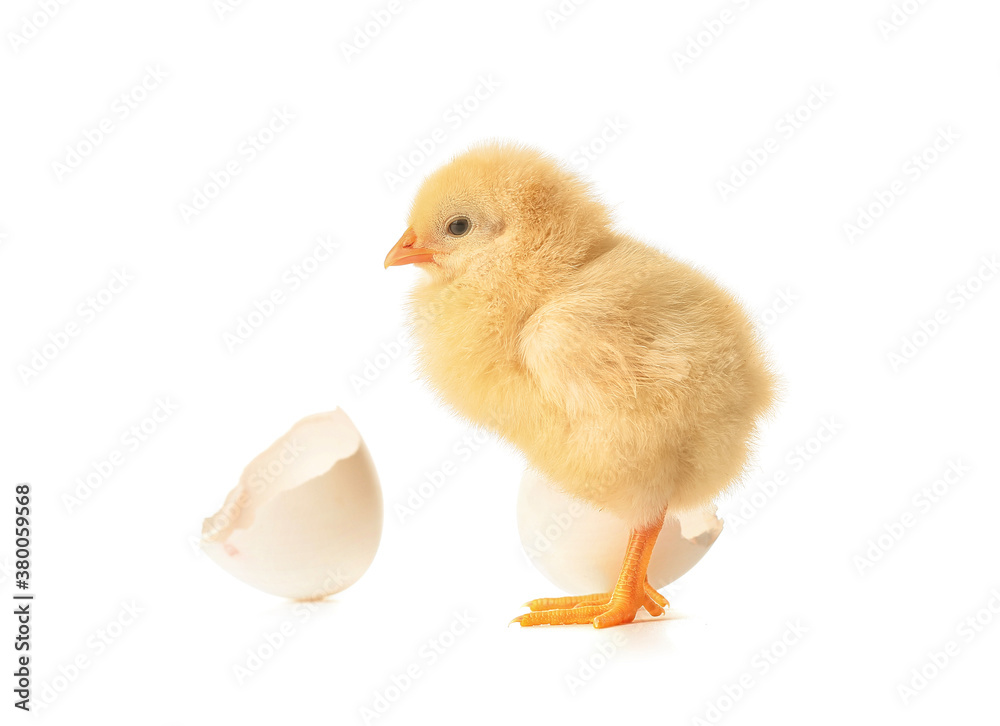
(580, 549)
(305, 519)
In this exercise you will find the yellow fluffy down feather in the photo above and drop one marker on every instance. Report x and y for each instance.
(630, 379)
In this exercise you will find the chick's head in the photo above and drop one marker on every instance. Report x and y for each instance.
(500, 209)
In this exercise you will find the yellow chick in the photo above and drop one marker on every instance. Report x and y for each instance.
(632, 380)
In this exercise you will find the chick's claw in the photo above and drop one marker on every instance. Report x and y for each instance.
(572, 601)
(602, 610)
(653, 598)
(563, 616)
(656, 596)
(615, 611)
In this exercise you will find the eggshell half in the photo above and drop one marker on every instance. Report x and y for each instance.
(580, 549)
(305, 519)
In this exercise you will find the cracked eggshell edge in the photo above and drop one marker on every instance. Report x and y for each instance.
(314, 528)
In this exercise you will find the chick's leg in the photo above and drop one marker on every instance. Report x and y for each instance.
(606, 609)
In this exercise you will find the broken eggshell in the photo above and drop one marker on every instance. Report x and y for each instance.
(305, 519)
(580, 549)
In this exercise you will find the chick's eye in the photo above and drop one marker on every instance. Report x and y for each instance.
(459, 226)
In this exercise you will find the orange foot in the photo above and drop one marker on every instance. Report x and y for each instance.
(605, 609)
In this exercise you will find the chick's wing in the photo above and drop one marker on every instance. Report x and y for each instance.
(611, 338)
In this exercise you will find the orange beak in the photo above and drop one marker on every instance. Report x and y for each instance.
(406, 252)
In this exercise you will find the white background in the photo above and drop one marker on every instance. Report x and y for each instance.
(855, 301)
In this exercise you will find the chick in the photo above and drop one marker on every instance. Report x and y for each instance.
(627, 377)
